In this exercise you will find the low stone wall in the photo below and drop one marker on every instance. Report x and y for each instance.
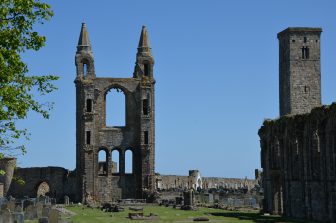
(174, 181)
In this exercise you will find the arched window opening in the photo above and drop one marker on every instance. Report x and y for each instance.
(102, 163)
(85, 69)
(43, 189)
(115, 108)
(146, 69)
(115, 161)
(129, 161)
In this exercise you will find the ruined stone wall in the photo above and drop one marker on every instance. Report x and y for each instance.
(182, 182)
(298, 157)
(60, 181)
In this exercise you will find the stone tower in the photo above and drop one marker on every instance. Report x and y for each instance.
(299, 70)
(98, 180)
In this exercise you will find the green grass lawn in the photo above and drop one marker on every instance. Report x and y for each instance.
(168, 214)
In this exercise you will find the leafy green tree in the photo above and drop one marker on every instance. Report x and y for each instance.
(18, 89)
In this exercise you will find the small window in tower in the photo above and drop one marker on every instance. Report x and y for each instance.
(306, 89)
(293, 40)
(88, 105)
(85, 69)
(304, 39)
(145, 106)
(88, 137)
(305, 52)
(146, 69)
(146, 137)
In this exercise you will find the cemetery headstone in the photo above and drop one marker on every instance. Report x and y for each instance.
(54, 216)
(6, 215)
(31, 212)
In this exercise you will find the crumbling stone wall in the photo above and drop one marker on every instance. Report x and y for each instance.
(298, 157)
(61, 182)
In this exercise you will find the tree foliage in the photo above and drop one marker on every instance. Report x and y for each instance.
(18, 89)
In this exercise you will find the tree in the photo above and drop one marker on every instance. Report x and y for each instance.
(18, 89)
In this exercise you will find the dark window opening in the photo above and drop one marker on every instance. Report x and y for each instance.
(85, 70)
(306, 89)
(146, 137)
(293, 40)
(88, 105)
(305, 52)
(146, 70)
(88, 137)
(145, 106)
(304, 39)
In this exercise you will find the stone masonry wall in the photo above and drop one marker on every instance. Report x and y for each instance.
(182, 182)
(298, 157)
(61, 182)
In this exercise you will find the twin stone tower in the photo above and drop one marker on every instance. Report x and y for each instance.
(102, 180)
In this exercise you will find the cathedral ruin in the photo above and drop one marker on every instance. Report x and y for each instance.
(96, 180)
(298, 150)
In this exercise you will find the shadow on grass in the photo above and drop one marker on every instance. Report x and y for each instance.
(258, 218)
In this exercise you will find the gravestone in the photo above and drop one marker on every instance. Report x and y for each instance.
(54, 216)
(45, 211)
(31, 212)
(66, 200)
(18, 217)
(11, 205)
(18, 208)
(39, 208)
(6, 216)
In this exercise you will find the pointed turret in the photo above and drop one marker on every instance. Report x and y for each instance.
(83, 41)
(84, 57)
(144, 59)
(144, 47)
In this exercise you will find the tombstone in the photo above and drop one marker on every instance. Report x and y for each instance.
(54, 216)
(45, 211)
(211, 198)
(39, 208)
(31, 212)
(6, 216)
(11, 205)
(47, 200)
(66, 200)
(18, 208)
(18, 217)
(188, 197)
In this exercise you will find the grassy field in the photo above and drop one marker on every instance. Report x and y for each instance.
(168, 214)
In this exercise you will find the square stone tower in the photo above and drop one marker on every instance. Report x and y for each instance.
(101, 180)
(299, 70)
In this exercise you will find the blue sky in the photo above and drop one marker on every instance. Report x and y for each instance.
(216, 71)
